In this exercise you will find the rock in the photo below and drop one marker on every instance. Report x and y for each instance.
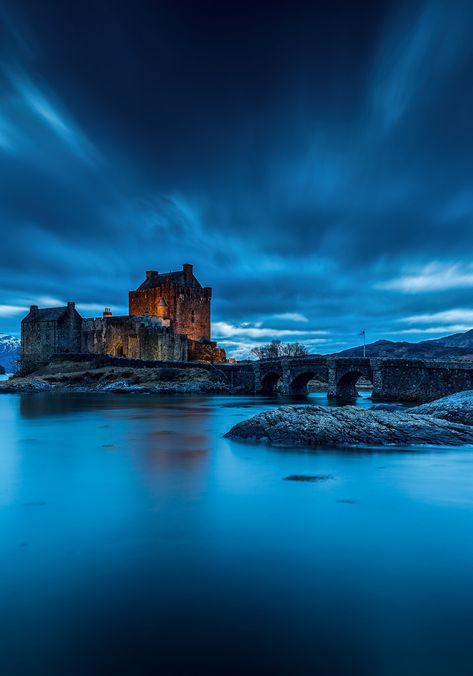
(91, 377)
(122, 386)
(19, 385)
(349, 426)
(456, 408)
(308, 477)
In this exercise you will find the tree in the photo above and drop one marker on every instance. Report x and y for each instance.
(276, 349)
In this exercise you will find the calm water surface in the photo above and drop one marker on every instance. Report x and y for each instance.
(135, 539)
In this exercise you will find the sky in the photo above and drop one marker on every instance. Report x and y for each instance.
(313, 160)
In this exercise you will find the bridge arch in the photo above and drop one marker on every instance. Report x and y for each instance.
(299, 382)
(345, 379)
(270, 382)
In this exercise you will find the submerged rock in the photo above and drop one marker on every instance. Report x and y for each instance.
(308, 477)
(349, 426)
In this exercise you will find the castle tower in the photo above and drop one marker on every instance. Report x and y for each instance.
(187, 303)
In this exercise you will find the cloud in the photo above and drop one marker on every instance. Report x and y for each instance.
(313, 180)
(27, 100)
(12, 310)
(439, 330)
(432, 277)
(227, 330)
(421, 48)
(291, 317)
(446, 316)
(99, 307)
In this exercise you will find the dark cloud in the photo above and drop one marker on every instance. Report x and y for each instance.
(312, 159)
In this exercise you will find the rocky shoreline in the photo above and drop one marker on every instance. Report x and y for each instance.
(89, 378)
(445, 422)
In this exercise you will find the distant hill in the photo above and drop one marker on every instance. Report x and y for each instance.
(455, 340)
(461, 348)
(9, 352)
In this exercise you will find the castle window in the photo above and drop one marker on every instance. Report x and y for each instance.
(193, 316)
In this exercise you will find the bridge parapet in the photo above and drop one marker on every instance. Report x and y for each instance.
(409, 380)
(416, 380)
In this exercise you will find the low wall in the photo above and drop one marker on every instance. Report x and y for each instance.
(418, 380)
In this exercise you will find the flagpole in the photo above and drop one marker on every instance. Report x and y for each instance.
(364, 344)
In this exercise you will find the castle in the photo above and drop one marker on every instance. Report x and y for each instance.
(168, 320)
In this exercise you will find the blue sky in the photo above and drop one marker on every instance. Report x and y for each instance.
(313, 160)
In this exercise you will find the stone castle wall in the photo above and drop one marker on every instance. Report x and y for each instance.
(41, 339)
(188, 307)
(38, 340)
(136, 338)
(69, 331)
(206, 350)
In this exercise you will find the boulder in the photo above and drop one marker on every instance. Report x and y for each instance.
(456, 408)
(349, 426)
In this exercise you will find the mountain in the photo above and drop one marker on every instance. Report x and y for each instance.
(427, 349)
(455, 340)
(9, 351)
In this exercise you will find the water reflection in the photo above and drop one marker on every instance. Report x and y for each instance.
(136, 539)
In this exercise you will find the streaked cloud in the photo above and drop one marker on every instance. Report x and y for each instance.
(291, 317)
(437, 330)
(432, 277)
(319, 184)
(445, 317)
(227, 330)
(12, 310)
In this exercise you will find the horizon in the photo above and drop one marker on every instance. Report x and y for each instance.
(318, 178)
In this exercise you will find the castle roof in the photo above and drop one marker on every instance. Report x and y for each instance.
(47, 314)
(173, 277)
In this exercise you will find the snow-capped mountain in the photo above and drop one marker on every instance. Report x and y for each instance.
(9, 351)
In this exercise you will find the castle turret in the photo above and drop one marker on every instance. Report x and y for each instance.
(163, 309)
(107, 312)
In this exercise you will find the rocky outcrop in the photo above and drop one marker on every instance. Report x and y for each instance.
(18, 385)
(349, 426)
(66, 377)
(456, 408)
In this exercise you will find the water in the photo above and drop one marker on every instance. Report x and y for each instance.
(135, 539)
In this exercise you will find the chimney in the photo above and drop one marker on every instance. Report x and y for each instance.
(107, 312)
(71, 306)
(151, 273)
(188, 272)
(34, 309)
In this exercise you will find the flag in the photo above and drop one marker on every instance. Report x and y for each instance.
(363, 333)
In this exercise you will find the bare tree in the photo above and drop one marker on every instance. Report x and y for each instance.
(276, 349)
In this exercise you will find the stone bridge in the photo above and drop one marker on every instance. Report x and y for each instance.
(409, 380)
